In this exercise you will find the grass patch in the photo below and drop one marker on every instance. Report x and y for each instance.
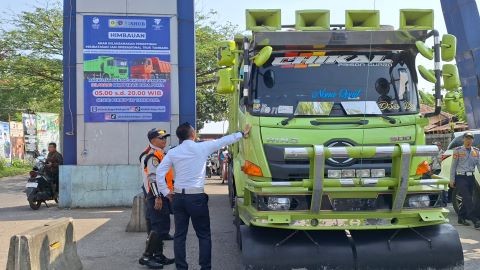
(18, 167)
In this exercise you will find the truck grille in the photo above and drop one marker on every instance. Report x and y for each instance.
(296, 170)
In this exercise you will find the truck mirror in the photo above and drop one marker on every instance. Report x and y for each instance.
(451, 79)
(269, 78)
(452, 102)
(449, 47)
(424, 50)
(427, 74)
(262, 56)
(224, 81)
(226, 54)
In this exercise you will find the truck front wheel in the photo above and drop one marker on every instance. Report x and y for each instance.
(231, 186)
(237, 221)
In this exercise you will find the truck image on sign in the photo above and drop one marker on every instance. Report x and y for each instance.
(330, 176)
(106, 67)
(150, 68)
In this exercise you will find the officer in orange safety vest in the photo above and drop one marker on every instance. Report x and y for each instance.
(158, 217)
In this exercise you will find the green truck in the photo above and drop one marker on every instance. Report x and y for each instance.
(106, 67)
(331, 174)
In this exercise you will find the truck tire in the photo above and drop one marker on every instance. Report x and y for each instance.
(231, 186)
(105, 76)
(237, 221)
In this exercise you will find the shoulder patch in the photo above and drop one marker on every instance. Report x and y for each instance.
(155, 161)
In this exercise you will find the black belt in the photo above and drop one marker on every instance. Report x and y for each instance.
(465, 173)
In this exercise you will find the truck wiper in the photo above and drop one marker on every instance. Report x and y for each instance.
(389, 119)
(284, 122)
(318, 123)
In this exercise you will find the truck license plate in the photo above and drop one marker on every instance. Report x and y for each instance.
(32, 185)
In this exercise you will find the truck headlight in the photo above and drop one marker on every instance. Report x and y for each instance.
(363, 173)
(378, 173)
(334, 173)
(418, 201)
(278, 203)
(349, 173)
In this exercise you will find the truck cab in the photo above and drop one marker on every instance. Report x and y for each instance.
(337, 141)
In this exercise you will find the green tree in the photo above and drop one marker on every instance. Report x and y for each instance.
(31, 61)
(208, 34)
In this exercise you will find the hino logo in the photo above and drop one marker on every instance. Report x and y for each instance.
(341, 60)
(340, 162)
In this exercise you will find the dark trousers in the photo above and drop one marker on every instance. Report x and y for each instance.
(465, 185)
(157, 220)
(195, 207)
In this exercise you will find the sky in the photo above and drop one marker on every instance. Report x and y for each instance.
(235, 13)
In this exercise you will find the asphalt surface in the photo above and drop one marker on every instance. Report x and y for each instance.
(103, 243)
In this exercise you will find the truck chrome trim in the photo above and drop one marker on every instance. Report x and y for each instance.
(403, 177)
(369, 182)
(295, 153)
(281, 184)
(339, 152)
(384, 151)
(347, 182)
(426, 150)
(319, 174)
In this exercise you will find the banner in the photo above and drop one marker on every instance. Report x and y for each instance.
(48, 130)
(16, 138)
(30, 133)
(126, 66)
(5, 144)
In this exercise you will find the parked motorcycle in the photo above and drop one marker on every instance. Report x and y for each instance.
(39, 187)
(209, 168)
(213, 166)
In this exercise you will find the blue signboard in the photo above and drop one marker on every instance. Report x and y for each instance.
(126, 68)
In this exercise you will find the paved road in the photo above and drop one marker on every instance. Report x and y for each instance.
(104, 244)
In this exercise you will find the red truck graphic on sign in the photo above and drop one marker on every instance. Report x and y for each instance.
(150, 68)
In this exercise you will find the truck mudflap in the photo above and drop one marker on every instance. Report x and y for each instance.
(432, 247)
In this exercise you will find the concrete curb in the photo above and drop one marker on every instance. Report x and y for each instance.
(51, 246)
(138, 223)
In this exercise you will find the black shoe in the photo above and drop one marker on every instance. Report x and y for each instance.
(476, 224)
(163, 260)
(463, 221)
(150, 262)
(168, 238)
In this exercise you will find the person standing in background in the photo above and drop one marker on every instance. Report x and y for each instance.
(465, 159)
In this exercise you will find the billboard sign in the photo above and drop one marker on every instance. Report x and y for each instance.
(126, 69)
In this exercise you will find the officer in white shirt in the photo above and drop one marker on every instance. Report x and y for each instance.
(190, 201)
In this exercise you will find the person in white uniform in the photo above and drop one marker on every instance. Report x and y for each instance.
(190, 201)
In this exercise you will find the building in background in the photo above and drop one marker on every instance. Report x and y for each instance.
(213, 130)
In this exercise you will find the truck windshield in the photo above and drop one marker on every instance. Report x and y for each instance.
(287, 81)
(120, 62)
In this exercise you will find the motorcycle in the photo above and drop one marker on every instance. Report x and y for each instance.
(209, 168)
(39, 187)
(213, 166)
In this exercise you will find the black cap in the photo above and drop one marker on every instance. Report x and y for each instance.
(468, 134)
(157, 133)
